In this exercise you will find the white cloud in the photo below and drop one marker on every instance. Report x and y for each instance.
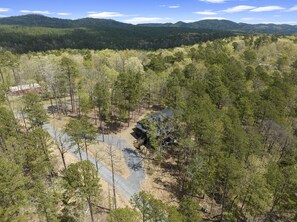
(4, 9)
(63, 13)
(189, 20)
(170, 6)
(173, 6)
(267, 8)
(280, 22)
(35, 12)
(138, 20)
(239, 8)
(293, 9)
(206, 12)
(218, 18)
(104, 14)
(213, 1)
(247, 19)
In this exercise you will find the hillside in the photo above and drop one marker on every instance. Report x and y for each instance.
(214, 24)
(26, 33)
(40, 33)
(35, 20)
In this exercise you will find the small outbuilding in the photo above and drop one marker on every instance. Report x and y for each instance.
(20, 90)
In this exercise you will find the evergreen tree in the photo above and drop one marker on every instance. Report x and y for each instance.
(81, 179)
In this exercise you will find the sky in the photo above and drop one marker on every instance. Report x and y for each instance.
(159, 11)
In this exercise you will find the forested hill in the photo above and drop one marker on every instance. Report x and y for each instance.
(214, 24)
(34, 20)
(22, 34)
(26, 33)
(44, 21)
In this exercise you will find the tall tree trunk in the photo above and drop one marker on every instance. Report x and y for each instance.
(24, 120)
(79, 152)
(233, 201)
(276, 199)
(212, 200)
(113, 181)
(71, 93)
(99, 115)
(2, 77)
(96, 159)
(78, 108)
(2, 144)
(16, 78)
(90, 208)
(65, 104)
(224, 197)
(244, 199)
(283, 150)
(86, 149)
(63, 160)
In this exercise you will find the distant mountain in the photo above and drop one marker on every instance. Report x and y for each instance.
(210, 24)
(226, 25)
(44, 21)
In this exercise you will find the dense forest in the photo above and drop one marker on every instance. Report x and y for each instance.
(235, 126)
(23, 34)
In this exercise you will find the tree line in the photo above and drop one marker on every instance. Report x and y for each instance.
(23, 39)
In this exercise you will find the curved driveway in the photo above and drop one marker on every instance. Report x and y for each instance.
(128, 186)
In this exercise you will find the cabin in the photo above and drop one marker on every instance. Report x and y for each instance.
(156, 125)
(20, 90)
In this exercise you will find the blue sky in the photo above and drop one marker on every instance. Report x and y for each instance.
(156, 11)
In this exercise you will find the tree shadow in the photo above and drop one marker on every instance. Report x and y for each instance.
(168, 186)
(113, 126)
(157, 107)
(133, 159)
(170, 167)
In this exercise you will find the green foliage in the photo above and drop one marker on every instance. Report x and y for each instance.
(190, 209)
(69, 72)
(123, 215)
(127, 92)
(82, 179)
(83, 185)
(34, 110)
(85, 104)
(8, 126)
(250, 73)
(250, 55)
(81, 130)
(152, 209)
(156, 63)
(13, 195)
(102, 95)
(72, 129)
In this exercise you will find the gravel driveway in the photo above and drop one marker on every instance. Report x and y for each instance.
(128, 186)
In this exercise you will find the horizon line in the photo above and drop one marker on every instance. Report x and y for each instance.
(187, 22)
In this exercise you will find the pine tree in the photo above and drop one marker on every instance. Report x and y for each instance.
(83, 182)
